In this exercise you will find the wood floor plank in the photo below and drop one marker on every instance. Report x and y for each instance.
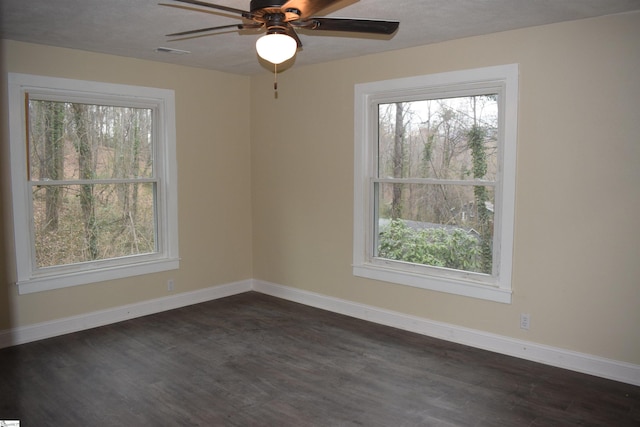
(255, 360)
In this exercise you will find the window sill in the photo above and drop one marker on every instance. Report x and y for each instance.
(447, 285)
(64, 280)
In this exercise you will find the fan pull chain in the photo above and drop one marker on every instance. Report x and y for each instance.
(275, 78)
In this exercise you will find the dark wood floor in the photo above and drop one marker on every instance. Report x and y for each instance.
(254, 360)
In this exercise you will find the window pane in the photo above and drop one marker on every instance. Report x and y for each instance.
(70, 141)
(451, 138)
(77, 223)
(447, 226)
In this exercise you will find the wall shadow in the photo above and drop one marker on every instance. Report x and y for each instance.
(7, 267)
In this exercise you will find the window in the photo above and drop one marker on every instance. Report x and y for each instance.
(94, 181)
(435, 181)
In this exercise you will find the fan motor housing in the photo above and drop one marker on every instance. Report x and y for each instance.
(260, 8)
(256, 5)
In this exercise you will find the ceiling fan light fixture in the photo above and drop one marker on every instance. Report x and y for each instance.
(276, 47)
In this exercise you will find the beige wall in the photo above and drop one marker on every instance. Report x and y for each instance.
(213, 150)
(284, 187)
(577, 238)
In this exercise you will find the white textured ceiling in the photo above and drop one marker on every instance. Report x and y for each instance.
(135, 28)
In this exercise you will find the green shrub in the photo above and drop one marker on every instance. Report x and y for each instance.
(440, 247)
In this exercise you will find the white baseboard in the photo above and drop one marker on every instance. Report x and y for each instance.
(580, 362)
(558, 357)
(38, 331)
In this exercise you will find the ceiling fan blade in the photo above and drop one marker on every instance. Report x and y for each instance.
(308, 8)
(371, 26)
(240, 12)
(221, 27)
(291, 32)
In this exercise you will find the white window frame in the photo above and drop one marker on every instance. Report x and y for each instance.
(162, 102)
(502, 79)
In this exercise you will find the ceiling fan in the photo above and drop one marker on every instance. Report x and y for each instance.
(281, 18)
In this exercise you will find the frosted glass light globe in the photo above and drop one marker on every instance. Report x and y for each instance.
(276, 48)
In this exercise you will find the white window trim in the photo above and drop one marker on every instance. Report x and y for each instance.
(167, 257)
(367, 98)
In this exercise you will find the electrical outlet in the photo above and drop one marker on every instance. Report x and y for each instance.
(170, 285)
(525, 321)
